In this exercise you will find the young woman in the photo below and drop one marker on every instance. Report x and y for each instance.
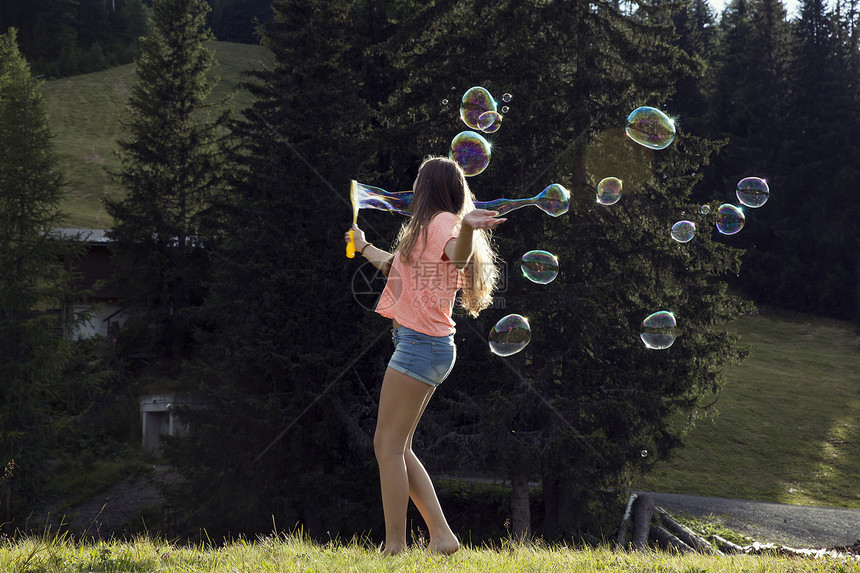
(444, 247)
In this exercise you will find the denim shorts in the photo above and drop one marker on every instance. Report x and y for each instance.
(426, 358)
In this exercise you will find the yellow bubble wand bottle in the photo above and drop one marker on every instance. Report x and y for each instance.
(350, 246)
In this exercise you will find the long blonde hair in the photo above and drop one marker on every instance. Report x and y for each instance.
(441, 186)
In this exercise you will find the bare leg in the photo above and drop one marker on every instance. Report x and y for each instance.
(396, 458)
(442, 539)
(401, 402)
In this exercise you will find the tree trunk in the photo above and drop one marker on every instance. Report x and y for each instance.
(521, 517)
(621, 539)
(686, 534)
(668, 541)
(643, 510)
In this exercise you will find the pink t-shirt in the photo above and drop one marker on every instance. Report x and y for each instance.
(421, 295)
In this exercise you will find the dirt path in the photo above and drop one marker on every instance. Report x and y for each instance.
(114, 510)
(792, 525)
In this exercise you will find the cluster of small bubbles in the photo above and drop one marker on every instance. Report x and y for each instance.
(471, 152)
(609, 191)
(752, 192)
(705, 209)
(650, 127)
(510, 335)
(683, 231)
(489, 122)
(507, 98)
(540, 267)
(658, 330)
(476, 100)
(730, 219)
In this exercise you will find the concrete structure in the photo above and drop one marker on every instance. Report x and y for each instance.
(158, 415)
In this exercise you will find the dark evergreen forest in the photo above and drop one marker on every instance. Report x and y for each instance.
(232, 232)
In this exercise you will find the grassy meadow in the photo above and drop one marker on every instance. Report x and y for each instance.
(787, 427)
(85, 115)
(292, 553)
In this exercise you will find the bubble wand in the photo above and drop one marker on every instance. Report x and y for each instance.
(350, 246)
(369, 197)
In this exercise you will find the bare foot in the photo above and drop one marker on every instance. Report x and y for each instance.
(445, 546)
(390, 551)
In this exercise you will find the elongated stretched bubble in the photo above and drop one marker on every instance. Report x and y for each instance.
(370, 197)
(554, 200)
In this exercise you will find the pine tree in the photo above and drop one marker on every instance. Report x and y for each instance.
(34, 282)
(279, 430)
(172, 162)
(580, 403)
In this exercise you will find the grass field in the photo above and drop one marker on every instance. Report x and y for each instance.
(279, 553)
(788, 423)
(85, 114)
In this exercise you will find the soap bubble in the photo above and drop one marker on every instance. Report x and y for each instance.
(444, 102)
(476, 101)
(683, 231)
(504, 109)
(554, 200)
(650, 127)
(540, 267)
(752, 192)
(510, 335)
(730, 219)
(705, 209)
(658, 330)
(489, 122)
(644, 453)
(471, 152)
(609, 191)
(507, 98)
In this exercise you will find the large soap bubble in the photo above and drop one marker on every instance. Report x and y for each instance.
(540, 267)
(658, 330)
(752, 192)
(650, 127)
(609, 191)
(476, 101)
(510, 335)
(730, 219)
(471, 152)
(683, 231)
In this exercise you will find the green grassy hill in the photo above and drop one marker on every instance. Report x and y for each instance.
(788, 423)
(85, 114)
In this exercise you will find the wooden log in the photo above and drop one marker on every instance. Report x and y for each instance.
(643, 511)
(726, 545)
(686, 534)
(668, 541)
(621, 538)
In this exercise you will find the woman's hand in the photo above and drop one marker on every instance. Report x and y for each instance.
(360, 241)
(482, 219)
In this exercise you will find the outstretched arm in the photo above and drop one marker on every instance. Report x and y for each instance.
(378, 258)
(459, 250)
